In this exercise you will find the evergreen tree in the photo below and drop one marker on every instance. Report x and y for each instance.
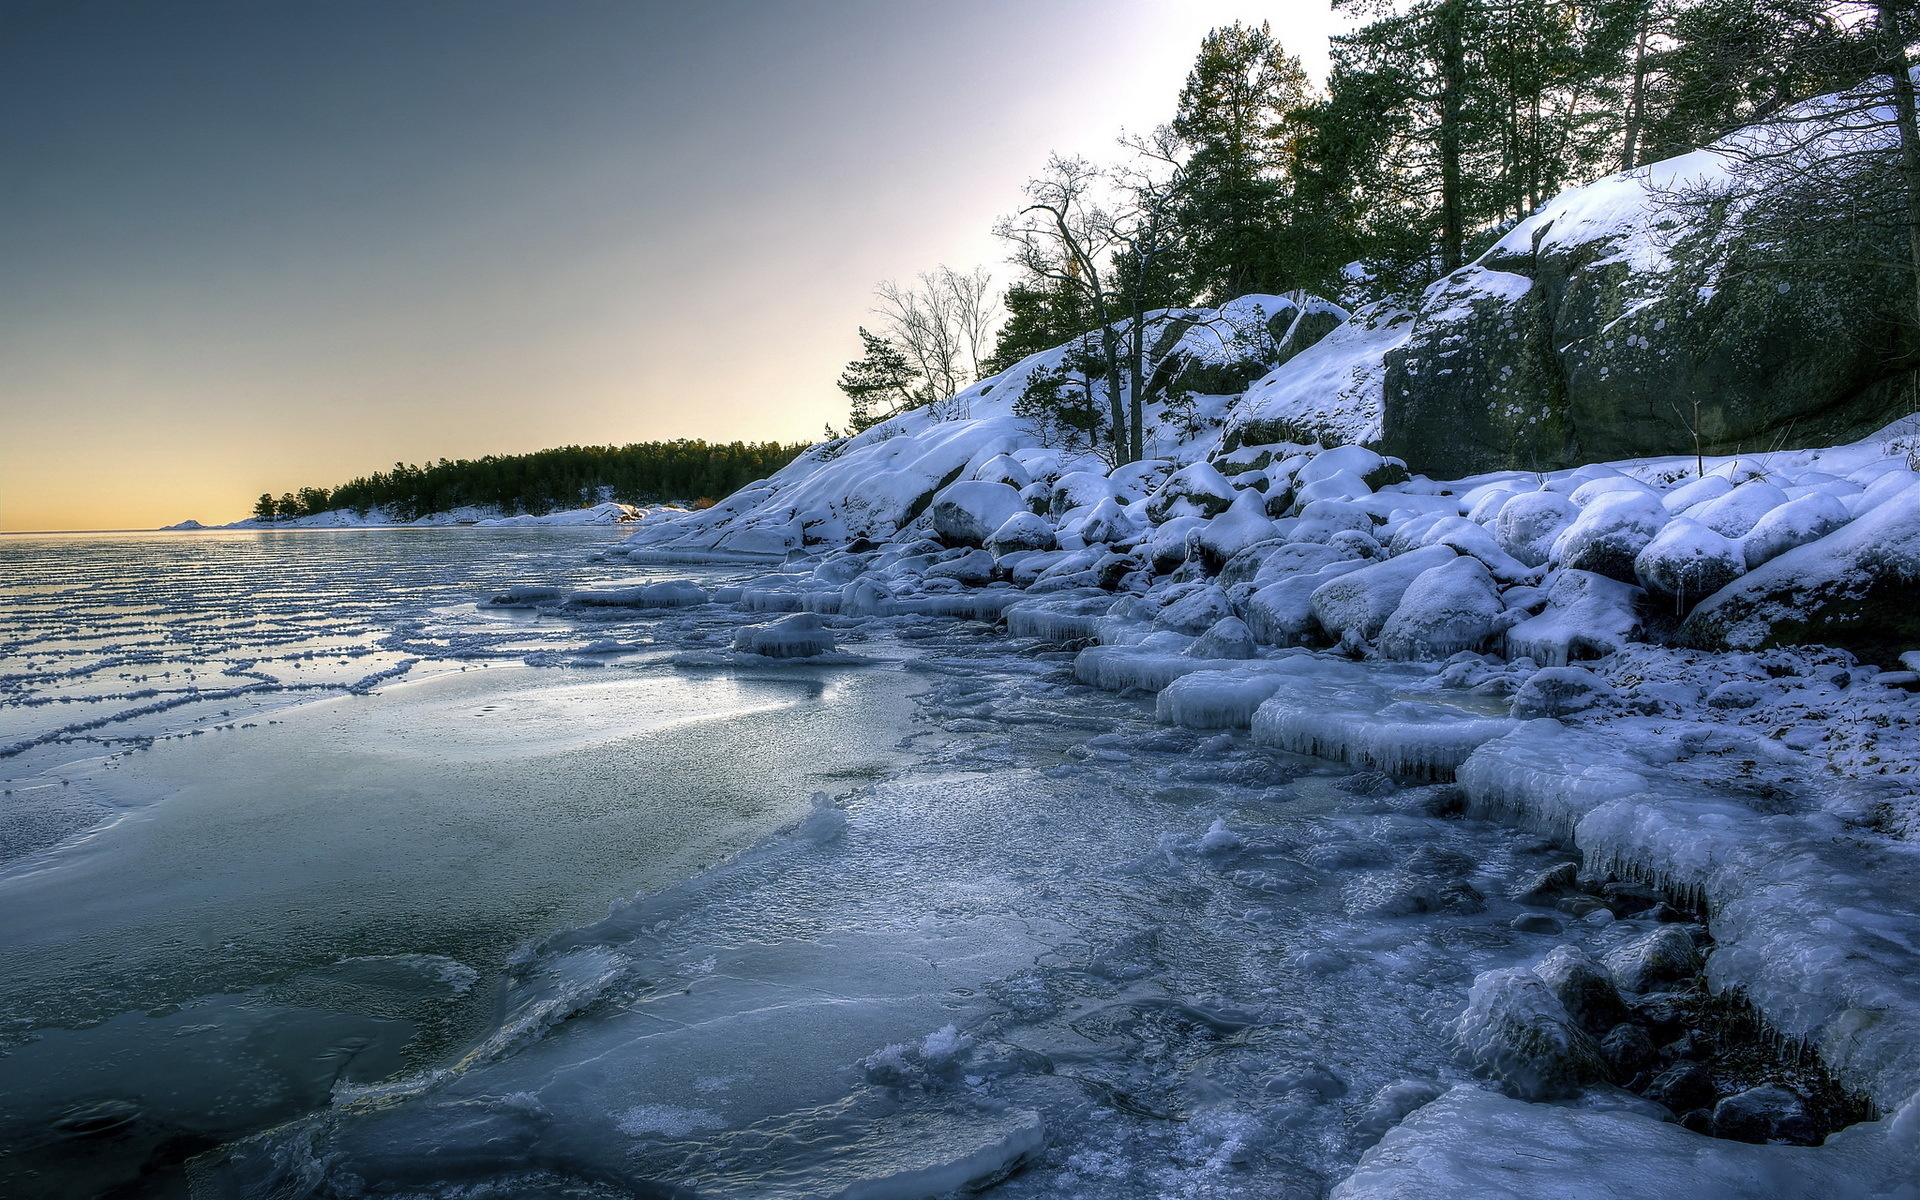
(264, 509)
(1041, 314)
(1239, 116)
(879, 383)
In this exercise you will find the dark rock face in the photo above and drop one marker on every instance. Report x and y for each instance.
(1572, 341)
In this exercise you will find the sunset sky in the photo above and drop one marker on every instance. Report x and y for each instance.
(249, 246)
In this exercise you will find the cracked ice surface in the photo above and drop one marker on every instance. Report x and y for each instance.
(1129, 959)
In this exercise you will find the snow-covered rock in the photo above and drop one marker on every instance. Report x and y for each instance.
(970, 512)
(1445, 609)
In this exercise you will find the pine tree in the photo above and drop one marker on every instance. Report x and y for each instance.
(879, 383)
(1239, 115)
(264, 508)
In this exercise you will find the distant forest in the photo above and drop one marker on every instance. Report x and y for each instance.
(547, 480)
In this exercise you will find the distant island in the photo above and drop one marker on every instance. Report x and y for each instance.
(589, 484)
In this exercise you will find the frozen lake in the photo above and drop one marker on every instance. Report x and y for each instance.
(216, 908)
(454, 928)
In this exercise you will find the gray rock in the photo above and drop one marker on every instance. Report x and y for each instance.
(1544, 888)
(1683, 1087)
(1628, 1050)
(974, 568)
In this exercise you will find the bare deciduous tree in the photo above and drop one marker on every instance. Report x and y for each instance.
(944, 322)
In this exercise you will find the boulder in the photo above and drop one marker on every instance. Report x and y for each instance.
(1243, 524)
(1560, 692)
(1195, 608)
(1361, 602)
(1281, 612)
(1004, 468)
(1226, 638)
(1795, 523)
(1446, 609)
(1077, 489)
(1609, 533)
(1167, 548)
(968, 513)
(802, 635)
(1765, 1114)
(1654, 960)
(1580, 337)
(1021, 531)
(1108, 523)
(1734, 513)
(1193, 491)
(1852, 589)
(1584, 989)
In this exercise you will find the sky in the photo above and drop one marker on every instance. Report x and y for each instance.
(246, 247)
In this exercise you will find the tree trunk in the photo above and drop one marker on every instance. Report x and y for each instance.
(1903, 100)
(1637, 103)
(1453, 70)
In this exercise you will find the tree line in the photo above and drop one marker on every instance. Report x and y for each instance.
(1440, 125)
(683, 471)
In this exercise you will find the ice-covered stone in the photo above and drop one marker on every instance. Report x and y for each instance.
(1586, 616)
(1687, 562)
(1281, 612)
(1655, 960)
(1446, 609)
(1584, 988)
(974, 568)
(1226, 638)
(802, 635)
(1197, 609)
(1561, 692)
(1391, 1105)
(1517, 1032)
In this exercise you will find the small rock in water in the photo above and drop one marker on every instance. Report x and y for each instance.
(1366, 783)
(1583, 987)
(1517, 1031)
(1654, 960)
(1313, 1078)
(1227, 638)
(1764, 1114)
(1535, 923)
(1392, 1105)
(1545, 888)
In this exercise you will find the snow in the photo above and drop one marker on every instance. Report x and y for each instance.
(1332, 390)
